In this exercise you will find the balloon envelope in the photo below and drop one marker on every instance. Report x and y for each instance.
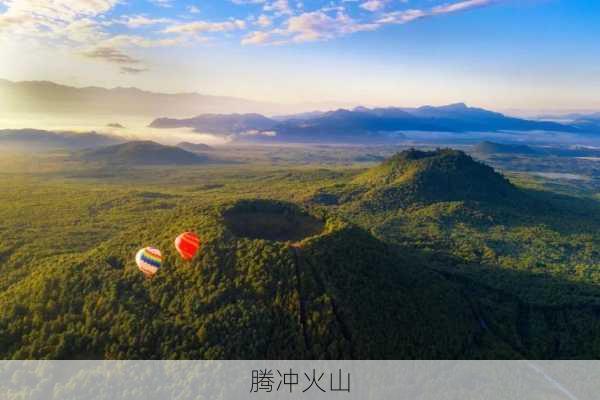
(187, 245)
(149, 260)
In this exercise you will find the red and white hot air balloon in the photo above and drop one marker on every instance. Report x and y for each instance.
(187, 245)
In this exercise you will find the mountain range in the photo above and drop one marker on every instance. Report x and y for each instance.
(52, 98)
(361, 124)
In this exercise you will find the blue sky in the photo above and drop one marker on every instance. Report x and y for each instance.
(504, 54)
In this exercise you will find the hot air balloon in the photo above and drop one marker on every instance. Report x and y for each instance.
(148, 260)
(187, 245)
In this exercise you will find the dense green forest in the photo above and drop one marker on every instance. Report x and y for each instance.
(426, 255)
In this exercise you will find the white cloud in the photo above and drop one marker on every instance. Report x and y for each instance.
(323, 24)
(123, 41)
(262, 38)
(255, 132)
(462, 6)
(162, 3)
(205, 26)
(244, 2)
(402, 17)
(373, 5)
(57, 19)
(309, 27)
(138, 21)
(279, 7)
(264, 21)
(77, 23)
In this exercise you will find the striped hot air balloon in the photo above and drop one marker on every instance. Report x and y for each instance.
(187, 245)
(149, 260)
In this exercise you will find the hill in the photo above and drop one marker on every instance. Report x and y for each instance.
(500, 148)
(336, 293)
(142, 153)
(40, 140)
(425, 177)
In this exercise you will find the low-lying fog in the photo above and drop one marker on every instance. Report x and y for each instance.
(133, 127)
(127, 126)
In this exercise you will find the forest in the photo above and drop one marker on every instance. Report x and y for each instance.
(429, 254)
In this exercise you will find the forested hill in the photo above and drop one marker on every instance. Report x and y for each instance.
(338, 293)
(424, 177)
(142, 153)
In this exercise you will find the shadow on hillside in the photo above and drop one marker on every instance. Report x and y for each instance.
(539, 316)
(563, 213)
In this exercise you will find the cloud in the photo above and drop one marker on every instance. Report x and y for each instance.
(162, 3)
(373, 5)
(205, 26)
(132, 70)
(54, 20)
(264, 21)
(111, 55)
(309, 27)
(138, 21)
(402, 17)
(279, 7)
(244, 2)
(255, 132)
(75, 24)
(123, 40)
(193, 9)
(317, 25)
(462, 6)
(262, 38)
(333, 22)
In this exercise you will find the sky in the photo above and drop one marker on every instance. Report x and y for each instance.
(500, 54)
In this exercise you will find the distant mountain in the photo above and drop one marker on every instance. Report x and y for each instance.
(300, 116)
(360, 125)
(194, 147)
(143, 153)
(586, 122)
(500, 148)
(589, 122)
(52, 98)
(38, 140)
(450, 118)
(571, 116)
(219, 123)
